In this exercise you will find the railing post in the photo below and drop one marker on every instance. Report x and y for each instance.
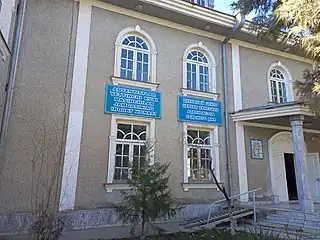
(254, 209)
(234, 197)
(208, 220)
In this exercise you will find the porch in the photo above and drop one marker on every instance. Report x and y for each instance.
(290, 146)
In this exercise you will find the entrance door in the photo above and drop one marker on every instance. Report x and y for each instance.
(313, 168)
(290, 176)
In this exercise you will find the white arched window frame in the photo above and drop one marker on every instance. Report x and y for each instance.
(196, 59)
(142, 49)
(279, 84)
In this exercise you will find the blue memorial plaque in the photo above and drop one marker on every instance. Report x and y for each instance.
(201, 110)
(132, 101)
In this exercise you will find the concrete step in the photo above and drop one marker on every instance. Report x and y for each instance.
(295, 228)
(296, 224)
(311, 216)
(289, 220)
(280, 231)
(224, 220)
(217, 218)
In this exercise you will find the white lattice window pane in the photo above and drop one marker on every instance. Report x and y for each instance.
(199, 155)
(192, 136)
(284, 89)
(278, 86)
(193, 171)
(204, 137)
(282, 92)
(121, 162)
(197, 71)
(127, 62)
(135, 59)
(191, 76)
(204, 78)
(201, 2)
(211, 4)
(139, 155)
(274, 92)
(145, 67)
(142, 67)
(202, 58)
(124, 130)
(139, 132)
(205, 163)
(130, 149)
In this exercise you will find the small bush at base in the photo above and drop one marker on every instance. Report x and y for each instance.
(216, 234)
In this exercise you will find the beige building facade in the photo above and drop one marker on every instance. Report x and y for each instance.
(61, 125)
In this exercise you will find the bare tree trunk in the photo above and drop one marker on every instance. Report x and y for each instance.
(143, 225)
(232, 222)
(230, 202)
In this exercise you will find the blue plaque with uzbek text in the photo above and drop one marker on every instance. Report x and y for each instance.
(132, 101)
(201, 110)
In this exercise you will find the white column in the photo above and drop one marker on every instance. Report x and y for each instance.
(242, 161)
(72, 150)
(304, 194)
(236, 75)
(240, 141)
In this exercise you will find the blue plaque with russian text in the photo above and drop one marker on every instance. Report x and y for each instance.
(201, 110)
(132, 101)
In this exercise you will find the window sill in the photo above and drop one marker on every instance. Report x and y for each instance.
(116, 186)
(187, 186)
(134, 83)
(189, 92)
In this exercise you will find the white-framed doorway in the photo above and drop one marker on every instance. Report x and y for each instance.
(313, 168)
(280, 145)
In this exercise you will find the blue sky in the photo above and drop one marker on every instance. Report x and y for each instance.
(224, 6)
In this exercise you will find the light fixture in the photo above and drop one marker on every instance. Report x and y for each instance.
(139, 7)
(207, 27)
(286, 49)
(314, 137)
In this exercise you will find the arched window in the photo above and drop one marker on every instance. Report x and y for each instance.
(199, 69)
(134, 59)
(280, 88)
(135, 55)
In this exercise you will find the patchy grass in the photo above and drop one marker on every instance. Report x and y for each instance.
(212, 234)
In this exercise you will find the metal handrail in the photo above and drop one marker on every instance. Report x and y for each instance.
(235, 196)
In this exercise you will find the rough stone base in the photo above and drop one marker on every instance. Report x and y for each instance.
(17, 223)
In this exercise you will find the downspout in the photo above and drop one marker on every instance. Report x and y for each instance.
(240, 20)
(12, 72)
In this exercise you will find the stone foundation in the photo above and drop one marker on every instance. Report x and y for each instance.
(17, 223)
